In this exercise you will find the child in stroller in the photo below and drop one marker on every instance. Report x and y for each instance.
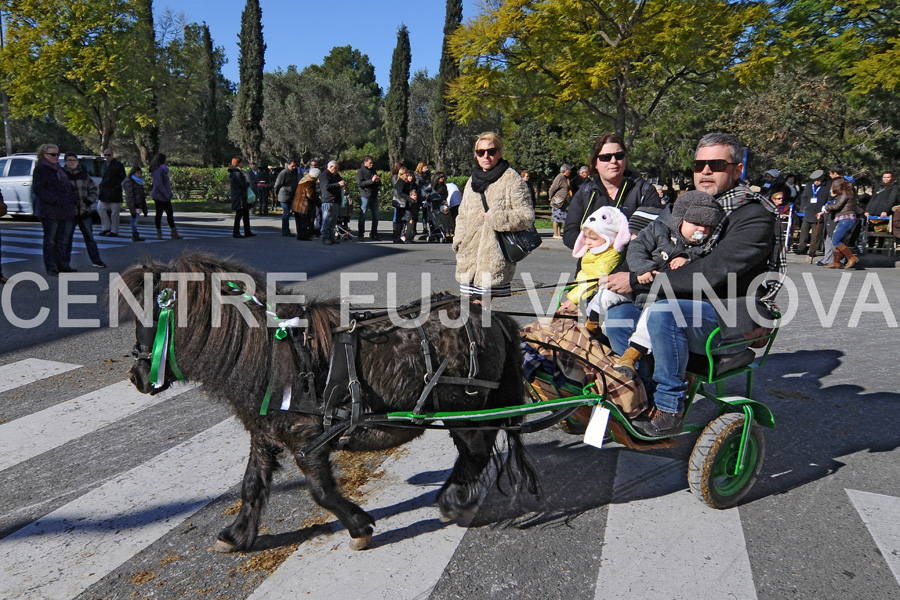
(432, 209)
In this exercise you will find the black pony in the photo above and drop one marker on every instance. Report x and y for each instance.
(239, 361)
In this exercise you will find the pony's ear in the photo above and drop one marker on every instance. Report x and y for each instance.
(624, 236)
(580, 247)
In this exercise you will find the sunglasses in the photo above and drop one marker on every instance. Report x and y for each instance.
(107, 155)
(490, 152)
(52, 153)
(716, 165)
(608, 157)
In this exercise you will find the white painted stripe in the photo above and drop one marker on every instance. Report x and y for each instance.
(662, 542)
(42, 431)
(100, 243)
(71, 548)
(881, 514)
(409, 552)
(30, 370)
(19, 250)
(9, 259)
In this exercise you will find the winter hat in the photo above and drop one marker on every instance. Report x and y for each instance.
(696, 207)
(608, 222)
(774, 173)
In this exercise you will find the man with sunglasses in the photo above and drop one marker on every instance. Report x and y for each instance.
(726, 288)
(111, 194)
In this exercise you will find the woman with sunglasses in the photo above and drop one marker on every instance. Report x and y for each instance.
(55, 207)
(609, 184)
(495, 199)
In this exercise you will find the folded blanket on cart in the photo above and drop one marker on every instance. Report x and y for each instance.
(582, 360)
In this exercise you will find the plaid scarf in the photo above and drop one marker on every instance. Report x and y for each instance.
(732, 200)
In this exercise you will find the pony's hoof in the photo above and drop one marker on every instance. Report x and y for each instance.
(360, 543)
(224, 547)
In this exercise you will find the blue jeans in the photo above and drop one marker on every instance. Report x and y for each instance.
(676, 327)
(285, 218)
(842, 228)
(329, 216)
(57, 237)
(84, 225)
(368, 205)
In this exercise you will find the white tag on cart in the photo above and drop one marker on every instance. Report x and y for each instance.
(596, 428)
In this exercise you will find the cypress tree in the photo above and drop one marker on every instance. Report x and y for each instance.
(396, 103)
(212, 151)
(251, 61)
(449, 70)
(147, 137)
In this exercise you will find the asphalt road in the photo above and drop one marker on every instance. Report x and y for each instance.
(106, 493)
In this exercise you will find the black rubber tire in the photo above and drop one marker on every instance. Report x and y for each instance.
(711, 468)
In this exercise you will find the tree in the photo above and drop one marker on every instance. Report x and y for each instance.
(396, 103)
(249, 110)
(146, 137)
(310, 115)
(419, 141)
(74, 61)
(449, 70)
(615, 60)
(212, 146)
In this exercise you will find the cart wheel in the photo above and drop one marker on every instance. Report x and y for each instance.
(714, 458)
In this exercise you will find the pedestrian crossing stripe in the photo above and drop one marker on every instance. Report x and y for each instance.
(881, 514)
(67, 550)
(655, 527)
(30, 436)
(23, 372)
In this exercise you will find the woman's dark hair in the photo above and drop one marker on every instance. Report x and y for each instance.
(159, 159)
(134, 170)
(842, 187)
(609, 138)
(437, 178)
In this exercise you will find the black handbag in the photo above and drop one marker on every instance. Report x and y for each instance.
(516, 245)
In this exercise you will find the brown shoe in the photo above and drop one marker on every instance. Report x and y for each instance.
(3, 279)
(625, 365)
(852, 259)
(661, 423)
(837, 261)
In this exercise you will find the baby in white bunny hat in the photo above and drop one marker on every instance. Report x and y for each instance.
(601, 247)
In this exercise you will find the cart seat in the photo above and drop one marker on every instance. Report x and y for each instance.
(722, 363)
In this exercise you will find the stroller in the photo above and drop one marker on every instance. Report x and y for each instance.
(342, 225)
(435, 231)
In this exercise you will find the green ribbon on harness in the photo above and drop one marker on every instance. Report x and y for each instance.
(280, 334)
(164, 344)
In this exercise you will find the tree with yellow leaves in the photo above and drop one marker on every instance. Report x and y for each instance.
(615, 60)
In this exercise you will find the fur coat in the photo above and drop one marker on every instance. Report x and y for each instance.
(479, 260)
(306, 198)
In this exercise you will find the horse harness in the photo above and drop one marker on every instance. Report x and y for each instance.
(342, 383)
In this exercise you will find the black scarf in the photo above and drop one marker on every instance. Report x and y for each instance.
(482, 179)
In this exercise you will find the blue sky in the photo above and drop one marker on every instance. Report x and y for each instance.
(302, 33)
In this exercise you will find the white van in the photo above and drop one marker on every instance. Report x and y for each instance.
(15, 179)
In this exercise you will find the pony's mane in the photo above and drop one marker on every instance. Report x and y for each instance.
(233, 354)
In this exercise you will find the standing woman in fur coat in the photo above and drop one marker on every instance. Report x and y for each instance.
(480, 266)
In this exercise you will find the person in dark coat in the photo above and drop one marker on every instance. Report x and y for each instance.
(162, 195)
(331, 189)
(285, 188)
(369, 184)
(608, 185)
(885, 199)
(86, 194)
(135, 199)
(110, 195)
(55, 202)
(815, 195)
(239, 186)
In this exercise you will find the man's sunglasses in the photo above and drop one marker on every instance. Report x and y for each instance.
(620, 156)
(490, 152)
(716, 165)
